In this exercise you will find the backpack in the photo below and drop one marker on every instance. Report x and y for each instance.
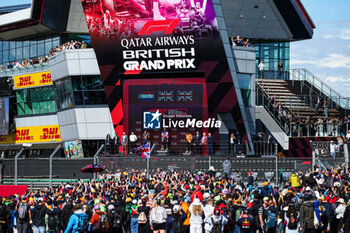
(216, 226)
(142, 219)
(22, 211)
(238, 214)
(100, 225)
(272, 219)
(117, 220)
(83, 223)
(293, 223)
(177, 225)
(51, 221)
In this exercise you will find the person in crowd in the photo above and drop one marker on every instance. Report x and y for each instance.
(133, 140)
(318, 103)
(116, 144)
(189, 139)
(197, 142)
(280, 69)
(307, 214)
(216, 221)
(210, 144)
(196, 219)
(108, 144)
(294, 180)
(78, 222)
(226, 167)
(145, 137)
(158, 218)
(261, 67)
(204, 143)
(246, 224)
(51, 219)
(165, 139)
(144, 212)
(325, 109)
(38, 217)
(292, 220)
(5, 215)
(23, 215)
(232, 144)
(124, 142)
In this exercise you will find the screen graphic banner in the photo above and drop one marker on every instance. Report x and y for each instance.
(140, 39)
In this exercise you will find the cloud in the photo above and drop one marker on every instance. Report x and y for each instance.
(333, 79)
(345, 34)
(333, 61)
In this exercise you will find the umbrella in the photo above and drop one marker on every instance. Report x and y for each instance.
(92, 168)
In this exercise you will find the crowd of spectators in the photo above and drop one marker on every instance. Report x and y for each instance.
(24, 62)
(185, 202)
(239, 41)
(309, 126)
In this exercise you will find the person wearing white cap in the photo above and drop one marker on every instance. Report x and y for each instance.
(208, 211)
(340, 210)
(196, 220)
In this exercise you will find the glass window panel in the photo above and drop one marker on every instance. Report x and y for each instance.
(41, 49)
(12, 44)
(5, 56)
(78, 98)
(19, 96)
(56, 43)
(43, 107)
(36, 107)
(26, 43)
(51, 106)
(28, 108)
(20, 109)
(12, 55)
(35, 94)
(33, 51)
(76, 83)
(19, 54)
(5, 45)
(19, 44)
(244, 81)
(48, 46)
(0, 45)
(26, 52)
(33, 42)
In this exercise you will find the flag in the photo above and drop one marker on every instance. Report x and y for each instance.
(165, 96)
(184, 95)
(143, 151)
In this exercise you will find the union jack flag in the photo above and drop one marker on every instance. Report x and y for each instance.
(165, 96)
(143, 151)
(184, 95)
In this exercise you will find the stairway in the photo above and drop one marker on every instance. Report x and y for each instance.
(279, 90)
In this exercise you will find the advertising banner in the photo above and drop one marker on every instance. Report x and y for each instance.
(32, 80)
(159, 41)
(35, 134)
(73, 149)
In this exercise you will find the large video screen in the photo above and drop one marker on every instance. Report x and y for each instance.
(4, 116)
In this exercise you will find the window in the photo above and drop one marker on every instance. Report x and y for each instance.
(272, 54)
(36, 101)
(79, 90)
(244, 81)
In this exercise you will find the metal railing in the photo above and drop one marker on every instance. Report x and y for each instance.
(280, 119)
(183, 148)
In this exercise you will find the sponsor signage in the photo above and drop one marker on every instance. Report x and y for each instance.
(155, 120)
(37, 134)
(32, 80)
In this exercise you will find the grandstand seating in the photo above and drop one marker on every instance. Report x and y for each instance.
(296, 103)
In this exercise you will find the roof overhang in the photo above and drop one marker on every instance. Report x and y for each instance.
(296, 17)
(43, 17)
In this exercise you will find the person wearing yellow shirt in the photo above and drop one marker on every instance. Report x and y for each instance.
(294, 180)
(185, 207)
(188, 141)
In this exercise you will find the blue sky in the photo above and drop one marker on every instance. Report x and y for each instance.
(13, 2)
(327, 55)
